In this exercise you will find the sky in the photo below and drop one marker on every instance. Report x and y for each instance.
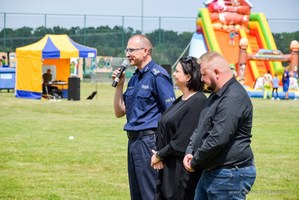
(283, 16)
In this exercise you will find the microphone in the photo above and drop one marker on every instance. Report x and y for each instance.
(124, 65)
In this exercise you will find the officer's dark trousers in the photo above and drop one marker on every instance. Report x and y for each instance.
(142, 177)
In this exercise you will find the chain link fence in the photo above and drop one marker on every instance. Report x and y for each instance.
(100, 69)
(144, 24)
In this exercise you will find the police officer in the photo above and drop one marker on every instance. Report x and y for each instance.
(149, 93)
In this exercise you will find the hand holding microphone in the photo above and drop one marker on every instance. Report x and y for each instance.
(124, 65)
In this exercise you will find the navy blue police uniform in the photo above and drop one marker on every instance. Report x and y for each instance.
(149, 93)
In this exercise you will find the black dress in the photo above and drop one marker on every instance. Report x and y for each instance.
(175, 128)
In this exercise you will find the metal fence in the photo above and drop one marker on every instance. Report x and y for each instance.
(144, 24)
(94, 72)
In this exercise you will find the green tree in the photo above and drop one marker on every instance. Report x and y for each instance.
(168, 44)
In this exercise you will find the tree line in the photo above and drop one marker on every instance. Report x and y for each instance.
(111, 41)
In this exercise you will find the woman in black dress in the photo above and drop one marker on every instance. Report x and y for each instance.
(176, 126)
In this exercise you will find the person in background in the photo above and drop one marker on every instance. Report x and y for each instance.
(220, 144)
(275, 85)
(232, 36)
(149, 93)
(174, 130)
(286, 83)
(47, 77)
(49, 89)
(267, 86)
(3, 61)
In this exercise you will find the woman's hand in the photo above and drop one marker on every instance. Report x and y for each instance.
(156, 162)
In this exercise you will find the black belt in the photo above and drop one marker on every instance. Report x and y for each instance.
(246, 164)
(139, 134)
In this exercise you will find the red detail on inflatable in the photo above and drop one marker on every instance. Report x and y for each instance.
(229, 15)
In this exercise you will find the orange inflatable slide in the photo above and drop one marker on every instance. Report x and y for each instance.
(222, 24)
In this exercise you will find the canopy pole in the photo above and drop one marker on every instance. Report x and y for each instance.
(176, 62)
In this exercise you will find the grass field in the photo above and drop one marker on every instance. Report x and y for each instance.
(39, 161)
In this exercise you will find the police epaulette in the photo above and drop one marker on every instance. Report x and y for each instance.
(155, 71)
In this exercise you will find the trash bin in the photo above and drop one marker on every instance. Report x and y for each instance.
(7, 78)
(73, 88)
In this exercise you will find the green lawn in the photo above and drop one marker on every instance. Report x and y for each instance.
(39, 161)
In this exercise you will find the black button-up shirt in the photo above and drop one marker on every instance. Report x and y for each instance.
(222, 137)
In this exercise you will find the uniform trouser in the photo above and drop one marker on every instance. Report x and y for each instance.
(142, 177)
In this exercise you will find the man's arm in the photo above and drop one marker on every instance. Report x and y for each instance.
(119, 104)
(225, 123)
(165, 92)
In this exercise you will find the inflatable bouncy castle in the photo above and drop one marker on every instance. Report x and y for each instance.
(220, 27)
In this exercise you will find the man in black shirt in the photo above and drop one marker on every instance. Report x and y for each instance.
(47, 87)
(221, 143)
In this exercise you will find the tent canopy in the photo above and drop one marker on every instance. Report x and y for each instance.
(54, 50)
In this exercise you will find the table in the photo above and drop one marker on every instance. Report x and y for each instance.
(58, 83)
(55, 84)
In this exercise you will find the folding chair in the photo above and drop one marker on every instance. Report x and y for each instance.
(48, 95)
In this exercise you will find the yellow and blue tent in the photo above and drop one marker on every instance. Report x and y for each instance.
(50, 50)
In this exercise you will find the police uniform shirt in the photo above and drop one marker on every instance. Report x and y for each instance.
(149, 93)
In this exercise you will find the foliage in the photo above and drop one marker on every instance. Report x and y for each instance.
(39, 161)
(283, 40)
(111, 41)
(168, 45)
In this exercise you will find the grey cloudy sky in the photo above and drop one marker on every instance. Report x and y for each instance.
(283, 15)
